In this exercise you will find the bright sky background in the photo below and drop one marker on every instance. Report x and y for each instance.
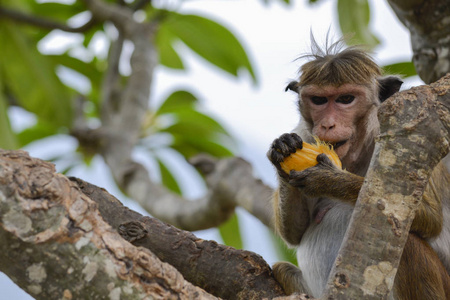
(274, 36)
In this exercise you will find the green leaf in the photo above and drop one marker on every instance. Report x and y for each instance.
(88, 37)
(210, 40)
(189, 146)
(7, 136)
(185, 149)
(354, 18)
(192, 130)
(167, 178)
(406, 69)
(167, 55)
(229, 231)
(177, 100)
(89, 70)
(194, 122)
(31, 78)
(39, 131)
(56, 11)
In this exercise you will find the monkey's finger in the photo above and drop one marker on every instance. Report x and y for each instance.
(275, 157)
(298, 142)
(292, 140)
(298, 178)
(287, 144)
(324, 160)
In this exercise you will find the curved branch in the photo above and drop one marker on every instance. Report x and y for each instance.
(120, 132)
(21, 17)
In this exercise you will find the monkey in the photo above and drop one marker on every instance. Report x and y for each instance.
(339, 93)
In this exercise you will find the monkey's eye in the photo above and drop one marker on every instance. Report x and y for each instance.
(319, 100)
(345, 99)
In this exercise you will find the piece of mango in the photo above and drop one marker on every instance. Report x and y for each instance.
(307, 157)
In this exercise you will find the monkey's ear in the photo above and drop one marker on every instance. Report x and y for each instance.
(292, 86)
(389, 85)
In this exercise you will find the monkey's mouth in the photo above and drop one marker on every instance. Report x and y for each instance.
(338, 144)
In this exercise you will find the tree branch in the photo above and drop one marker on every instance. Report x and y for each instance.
(427, 22)
(415, 136)
(120, 132)
(55, 245)
(220, 270)
(140, 4)
(21, 17)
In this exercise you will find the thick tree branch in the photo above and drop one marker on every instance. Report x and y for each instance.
(55, 245)
(427, 20)
(415, 136)
(220, 270)
(64, 233)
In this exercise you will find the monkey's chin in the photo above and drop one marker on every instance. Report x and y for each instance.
(342, 150)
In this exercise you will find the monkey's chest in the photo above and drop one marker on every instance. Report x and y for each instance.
(321, 242)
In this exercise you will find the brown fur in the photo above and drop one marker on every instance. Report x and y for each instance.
(429, 218)
(290, 277)
(421, 275)
(309, 197)
(345, 186)
(352, 65)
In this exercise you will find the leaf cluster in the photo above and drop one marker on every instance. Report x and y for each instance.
(31, 80)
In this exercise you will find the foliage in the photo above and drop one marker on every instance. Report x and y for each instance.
(354, 22)
(222, 48)
(354, 19)
(180, 118)
(405, 69)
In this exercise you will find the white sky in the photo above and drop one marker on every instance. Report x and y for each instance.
(273, 36)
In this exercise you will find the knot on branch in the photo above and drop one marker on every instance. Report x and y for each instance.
(341, 281)
(132, 231)
(396, 226)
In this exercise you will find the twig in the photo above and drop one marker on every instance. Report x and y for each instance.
(43, 23)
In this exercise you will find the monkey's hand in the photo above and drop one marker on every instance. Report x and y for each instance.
(281, 148)
(327, 180)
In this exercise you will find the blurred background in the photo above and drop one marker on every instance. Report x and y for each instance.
(250, 105)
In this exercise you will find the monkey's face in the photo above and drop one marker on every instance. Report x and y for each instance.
(335, 115)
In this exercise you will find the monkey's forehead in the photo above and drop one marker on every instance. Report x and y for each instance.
(329, 90)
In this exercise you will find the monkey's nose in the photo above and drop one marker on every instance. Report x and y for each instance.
(328, 127)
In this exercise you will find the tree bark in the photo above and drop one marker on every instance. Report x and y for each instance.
(415, 136)
(56, 244)
(429, 24)
(220, 270)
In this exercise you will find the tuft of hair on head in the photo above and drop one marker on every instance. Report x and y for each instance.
(336, 65)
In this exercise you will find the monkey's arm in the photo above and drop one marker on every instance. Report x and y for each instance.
(326, 180)
(290, 209)
(291, 213)
(429, 216)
